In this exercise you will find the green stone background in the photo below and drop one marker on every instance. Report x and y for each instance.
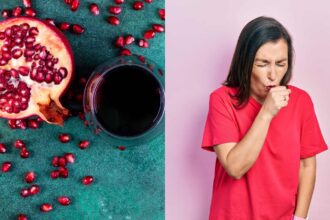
(129, 184)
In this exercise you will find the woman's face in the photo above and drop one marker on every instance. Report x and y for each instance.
(269, 67)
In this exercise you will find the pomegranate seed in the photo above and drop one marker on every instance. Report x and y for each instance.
(113, 20)
(63, 200)
(5, 13)
(94, 9)
(64, 26)
(83, 144)
(17, 11)
(30, 12)
(143, 43)
(3, 148)
(30, 177)
(34, 189)
(149, 34)
(25, 193)
(21, 217)
(129, 39)
(55, 174)
(33, 123)
(148, 1)
(87, 180)
(77, 29)
(68, 2)
(55, 161)
(120, 42)
(64, 138)
(19, 144)
(40, 120)
(118, 2)
(116, 10)
(86, 123)
(142, 59)
(50, 21)
(27, 3)
(158, 28)
(125, 52)
(6, 166)
(161, 13)
(46, 207)
(24, 153)
(121, 148)
(69, 157)
(63, 172)
(62, 162)
(75, 5)
(138, 5)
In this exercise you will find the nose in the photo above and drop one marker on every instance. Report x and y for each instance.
(272, 73)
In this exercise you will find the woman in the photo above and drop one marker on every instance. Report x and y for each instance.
(265, 132)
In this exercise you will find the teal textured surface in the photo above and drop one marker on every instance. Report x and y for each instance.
(128, 184)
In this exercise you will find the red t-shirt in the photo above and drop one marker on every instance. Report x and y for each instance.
(268, 190)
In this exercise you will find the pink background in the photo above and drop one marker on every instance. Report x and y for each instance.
(200, 41)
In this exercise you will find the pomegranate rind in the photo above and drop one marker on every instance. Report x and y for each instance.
(44, 100)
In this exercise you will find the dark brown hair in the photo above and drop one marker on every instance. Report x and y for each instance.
(256, 33)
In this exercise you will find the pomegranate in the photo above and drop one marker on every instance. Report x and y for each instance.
(46, 207)
(36, 66)
(63, 200)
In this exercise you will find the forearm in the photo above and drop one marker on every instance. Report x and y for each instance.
(307, 176)
(245, 153)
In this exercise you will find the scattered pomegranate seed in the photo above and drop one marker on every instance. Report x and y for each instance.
(64, 138)
(148, 1)
(69, 157)
(55, 161)
(63, 172)
(75, 5)
(143, 43)
(78, 29)
(50, 21)
(25, 193)
(19, 144)
(94, 9)
(120, 42)
(17, 123)
(21, 217)
(142, 59)
(118, 2)
(125, 52)
(138, 5)
(129, 39)
(62, 162)
(149, 34)
(5, 13)
(55, 174)
(116, 10)
(3, 148)
(6, 166)
(33, 123)
(64, 26)
(161, 13)
(121, 147)
(17, 11)
(83, 144)
(64, 200)
(30, 177)
(24, 153)
(113, 20)
(40, 120)
(68, 2)
(46, 207)
(158, 27)
(87, 180)
(34, 189)
(27, 3)
(30, 12)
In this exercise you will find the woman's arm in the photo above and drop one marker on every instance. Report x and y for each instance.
(307, 177)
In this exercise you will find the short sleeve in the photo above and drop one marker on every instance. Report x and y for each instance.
(312, 141)
(219, 127)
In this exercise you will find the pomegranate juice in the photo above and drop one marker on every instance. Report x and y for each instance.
(128, 101)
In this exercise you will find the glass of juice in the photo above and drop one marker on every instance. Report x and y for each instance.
(124, 100)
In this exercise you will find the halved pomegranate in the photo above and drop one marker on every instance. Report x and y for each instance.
(36, 66)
